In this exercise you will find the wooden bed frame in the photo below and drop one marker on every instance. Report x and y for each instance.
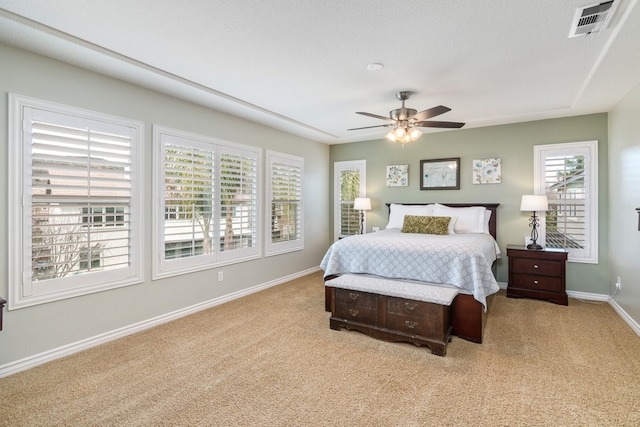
(467, 315)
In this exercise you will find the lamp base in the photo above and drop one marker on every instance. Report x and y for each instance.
(534, 247)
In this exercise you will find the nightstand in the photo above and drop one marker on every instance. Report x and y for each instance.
(537, 274)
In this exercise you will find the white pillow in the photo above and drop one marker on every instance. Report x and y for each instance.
(470, 219)
(452, 224)
(398, 211)
(487, 218)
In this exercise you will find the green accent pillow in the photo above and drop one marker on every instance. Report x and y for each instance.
(426, 224)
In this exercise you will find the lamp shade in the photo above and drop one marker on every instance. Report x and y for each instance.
(403, 134)
(534, 202)
(362, 204)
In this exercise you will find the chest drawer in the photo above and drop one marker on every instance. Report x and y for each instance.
(356, 298)
(356, 314)
(406, 307)
(537, 282)
(534, 266)
(417, 317)
(356, 306)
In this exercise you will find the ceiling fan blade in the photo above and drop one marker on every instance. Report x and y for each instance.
(431, 112)
(435, 124)
(375, 116)
(369, 127)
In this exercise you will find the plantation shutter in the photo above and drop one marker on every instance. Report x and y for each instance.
(285, 208)
(567, 176)
(188, 201)
(207, 194)
(238, 200)
(349, 190)
(79, 199)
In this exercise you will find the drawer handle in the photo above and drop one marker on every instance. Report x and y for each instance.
(411, 324)
(535, 265)
(410, 305)
(353, 295)
(353, 312)
(535, 281)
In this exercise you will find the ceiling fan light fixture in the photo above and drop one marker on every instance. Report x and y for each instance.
(406, 121)
(399, 132)
(403, 135)
(415, 133)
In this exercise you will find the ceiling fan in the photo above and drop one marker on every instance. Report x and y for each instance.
(405, 121)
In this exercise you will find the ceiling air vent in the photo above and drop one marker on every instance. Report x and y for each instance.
(591, 19)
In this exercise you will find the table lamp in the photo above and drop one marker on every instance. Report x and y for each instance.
(362, 204)
(534, 204)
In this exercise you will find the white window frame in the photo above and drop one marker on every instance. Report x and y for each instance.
(162, 267)
(23, 291)
(338, 167)
(295, 162)
(590, 150)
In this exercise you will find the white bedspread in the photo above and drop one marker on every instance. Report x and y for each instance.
(461, 260)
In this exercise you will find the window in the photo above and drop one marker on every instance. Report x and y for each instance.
(96, 217)
(568, 175)
(349, 180)
(284, 216)
(74, 216)
(207, 193)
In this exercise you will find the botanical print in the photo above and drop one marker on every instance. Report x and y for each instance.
(487, 171)
(397, 175)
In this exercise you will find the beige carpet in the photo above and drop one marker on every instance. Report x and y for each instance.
(270, 359)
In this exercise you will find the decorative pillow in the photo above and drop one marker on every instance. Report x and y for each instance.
(426, 224)
(470, 219)
(398, 211)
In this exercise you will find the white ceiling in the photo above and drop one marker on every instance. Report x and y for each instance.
(301, 65)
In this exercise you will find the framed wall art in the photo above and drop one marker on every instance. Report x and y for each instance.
(440, 174)
(487, 171)
(397, 175)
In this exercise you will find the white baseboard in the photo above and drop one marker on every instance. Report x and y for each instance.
(66, 350)
(634, 325)
(588, 296)
(607, 298)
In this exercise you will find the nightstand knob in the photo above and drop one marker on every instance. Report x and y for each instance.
(535, 265)
(535, 281)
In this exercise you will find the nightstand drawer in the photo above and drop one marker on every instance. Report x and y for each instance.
(536, 282)
(535, 266)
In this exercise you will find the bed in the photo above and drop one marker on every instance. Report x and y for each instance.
(462, 257)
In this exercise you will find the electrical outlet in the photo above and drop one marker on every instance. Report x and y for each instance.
(618, 283)
(220, 276)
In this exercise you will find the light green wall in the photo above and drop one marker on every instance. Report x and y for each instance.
(33, 330)
(514, 145)
(624, 189)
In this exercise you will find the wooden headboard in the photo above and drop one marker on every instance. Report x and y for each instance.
(493, 207)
